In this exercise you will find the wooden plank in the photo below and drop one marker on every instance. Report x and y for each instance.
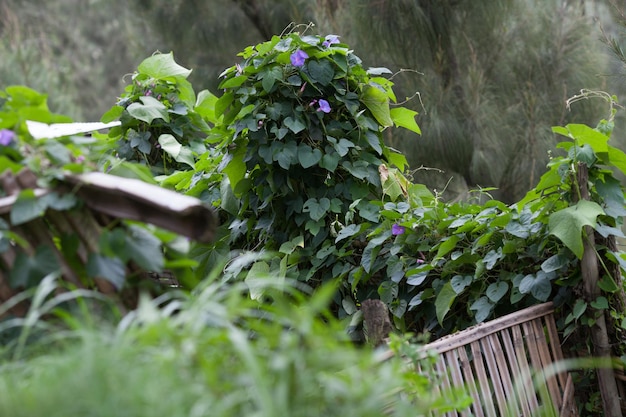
(568, 409)
(470, 380)
(471, 334)
(525, 376)
(496, 342)
(483, 380)
(516, 373)
(555, 346)
(531, 340)
(543, 348)
(136, 200)
(494, 371)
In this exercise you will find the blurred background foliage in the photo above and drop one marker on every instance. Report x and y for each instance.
(493, 77)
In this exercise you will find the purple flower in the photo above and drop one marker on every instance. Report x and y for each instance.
(396, 229)
(298, 58)
(323, 106)
(6, 137)
(330, 40)
(80, 158)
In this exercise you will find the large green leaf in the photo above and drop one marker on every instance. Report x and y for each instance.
(538, 285)
(567, 224)
(444, 301)
(447, 245)
(497, 290)
(378, 103)
(617, 158)
(235, 169)
(403, 117)
(205, 105)
(149, 109)
(179, 152)
(162, 66)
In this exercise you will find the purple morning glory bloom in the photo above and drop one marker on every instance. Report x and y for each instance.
(330, 40)
(396, 229)
(323, 106)
(298, 58)
(6, 137)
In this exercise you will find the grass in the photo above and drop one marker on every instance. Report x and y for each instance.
(213, 353)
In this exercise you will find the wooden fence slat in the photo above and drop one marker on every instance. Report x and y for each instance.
(470, 380)
(483, 380)
(494, 373)
(525, 371)
(519, 391)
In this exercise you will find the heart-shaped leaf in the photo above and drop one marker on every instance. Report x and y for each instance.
(308, 156)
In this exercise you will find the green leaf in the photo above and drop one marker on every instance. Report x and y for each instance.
(330, 161)
(149, 109)
(59, 202)
(320, 71)
(403, 117)
(554, 263)
(342, 146)
(378, 103)
(600, 303)
(388, 291)
(348, 231)
(538, 285)
(607, 284)
(110, 269)
(235, 169)
(205, 106)
(308, 156)
(228, 201)
(417, 276)
(27, 207)
(617, 158)
(444, 301)
(460, 282)
(496, 291)
(270, 77)
(294, 124)
(316, 208)
(567, 224)
(114, 113)
(579, 309)
(483, 308)
(287, 155)
(180, 153)
(447, 245)
(161, 66)
(290, 246)
(144, 249)
(132, 170)
(28, 271)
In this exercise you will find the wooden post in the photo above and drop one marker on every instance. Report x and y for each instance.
(377, 323)
(599, 334)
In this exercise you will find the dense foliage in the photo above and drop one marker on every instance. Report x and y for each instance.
(292, 156)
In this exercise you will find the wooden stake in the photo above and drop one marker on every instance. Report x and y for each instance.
(599, 334)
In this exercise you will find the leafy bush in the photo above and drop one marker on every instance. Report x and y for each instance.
(296, 162)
